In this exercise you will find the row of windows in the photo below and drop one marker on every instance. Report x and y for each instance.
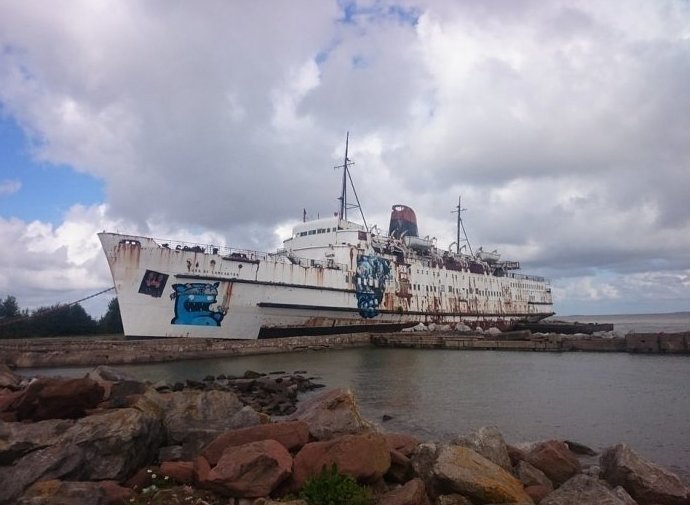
(315, 232)
(451, 289)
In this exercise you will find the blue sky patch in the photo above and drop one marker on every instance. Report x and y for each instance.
(46, 191)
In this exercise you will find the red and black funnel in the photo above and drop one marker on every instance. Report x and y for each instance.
(403, 222)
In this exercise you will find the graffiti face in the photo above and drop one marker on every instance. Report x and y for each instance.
(370, 284)
(193, 304)
(153, 283)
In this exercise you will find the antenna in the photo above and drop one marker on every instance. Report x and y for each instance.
(459, 210)
(344, 206)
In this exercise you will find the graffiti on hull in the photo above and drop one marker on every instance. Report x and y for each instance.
(193, 304)
(370, 283)
(153, 283)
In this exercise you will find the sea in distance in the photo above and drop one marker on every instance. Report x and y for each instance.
(598, 399)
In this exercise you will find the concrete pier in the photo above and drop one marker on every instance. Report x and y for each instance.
(87, 351)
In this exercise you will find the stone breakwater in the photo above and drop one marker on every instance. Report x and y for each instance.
(34, 353)
(108, 439)
(85, 351)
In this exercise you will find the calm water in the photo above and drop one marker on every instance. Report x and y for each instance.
(596, 399)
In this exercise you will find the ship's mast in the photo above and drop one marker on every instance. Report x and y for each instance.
(459, 210)
(343, 192)
(344, 206)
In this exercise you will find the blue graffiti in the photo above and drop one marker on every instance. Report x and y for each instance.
(370, 284)
(193, 304)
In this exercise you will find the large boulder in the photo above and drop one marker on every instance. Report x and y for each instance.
(194, 418)
(585, 490)
(452, 469)
(488, 442)
(19, 439)
(452, 499)
(412, 493)
(402, 442)
(332, 414)
(251, 470)
(56, 492)
(365, 457)
(105, 373)
(531, 476)
(57, 398)
(554, 459)
(646, 482)
(8, 379)
(179, 471)
(291, 434)
(107, 446)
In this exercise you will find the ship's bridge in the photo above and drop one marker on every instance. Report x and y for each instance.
(311, 238)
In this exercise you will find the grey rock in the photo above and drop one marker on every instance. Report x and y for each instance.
(452, 469)
(488, 442)
(19, 439)
(452, 499)
(104, 373)
(332, 414)
(646, 482)
(578, 448)
(584, 490)
(171, 453)
(106, 446)
(55, 492)
(8, 379)
(194, 418)
(531, 476)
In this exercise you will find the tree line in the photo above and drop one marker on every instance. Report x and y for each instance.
(55, 320)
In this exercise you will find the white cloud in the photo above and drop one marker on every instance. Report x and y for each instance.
(9, 187)
(563, 125)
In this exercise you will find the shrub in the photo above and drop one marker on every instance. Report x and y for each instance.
(332, 488)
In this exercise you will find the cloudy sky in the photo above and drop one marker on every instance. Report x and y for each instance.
(564, 125)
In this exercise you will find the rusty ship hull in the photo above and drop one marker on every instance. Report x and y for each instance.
(332, 276)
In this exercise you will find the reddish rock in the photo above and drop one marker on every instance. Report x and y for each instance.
(646, 482)
(142, 478)
(292, 435)
(179, 471)
(331, 414)
(116, 494)
(251, 470)
(531, 476)
(8, 399)
(365, 457)
(412, 493)
(515, 454)
(537, 492)
(402, 442)
(400, 469)
(54, 398)
(201, 471)
(554, 459)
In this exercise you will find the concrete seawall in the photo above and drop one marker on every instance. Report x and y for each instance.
(645, 343)
(85, 351)
(29, 353)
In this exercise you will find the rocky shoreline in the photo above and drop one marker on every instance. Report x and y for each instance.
(109, 439)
